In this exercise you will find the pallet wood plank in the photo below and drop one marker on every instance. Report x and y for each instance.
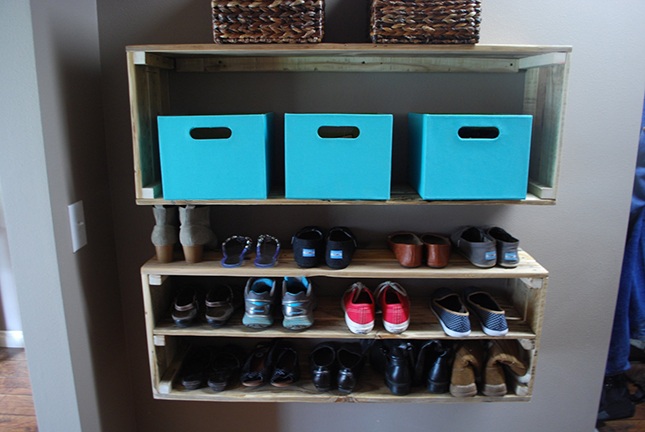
(366, 263)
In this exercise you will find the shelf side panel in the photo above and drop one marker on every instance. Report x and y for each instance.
(544, 99)
(148, 99)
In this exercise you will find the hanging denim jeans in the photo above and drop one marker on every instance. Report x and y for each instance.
(629, 320)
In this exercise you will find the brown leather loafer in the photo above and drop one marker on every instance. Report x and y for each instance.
(407, 248)
(437, 249)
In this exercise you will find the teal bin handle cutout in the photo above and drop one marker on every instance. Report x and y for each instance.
(326, 132)
(210, 133)
(478, 132)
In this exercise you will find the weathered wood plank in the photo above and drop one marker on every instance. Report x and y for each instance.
(366, 263)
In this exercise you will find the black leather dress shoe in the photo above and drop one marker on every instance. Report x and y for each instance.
(350, 364)
(226, 363)
(399, 367)
(434, 365)
(194, 368)
(286, 366)
(258, 367)
(324, 369)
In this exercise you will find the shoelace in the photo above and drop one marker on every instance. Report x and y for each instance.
(389, 284)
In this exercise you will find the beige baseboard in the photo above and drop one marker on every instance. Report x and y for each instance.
(11, 339)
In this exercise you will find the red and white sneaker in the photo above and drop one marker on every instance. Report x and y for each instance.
(395, 305)
(358, 304)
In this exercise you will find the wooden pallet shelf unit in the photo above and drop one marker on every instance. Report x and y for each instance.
(197, 79)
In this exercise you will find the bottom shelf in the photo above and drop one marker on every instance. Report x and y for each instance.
(370, 389)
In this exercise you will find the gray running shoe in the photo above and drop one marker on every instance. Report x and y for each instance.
(298, 303)
(259, 295)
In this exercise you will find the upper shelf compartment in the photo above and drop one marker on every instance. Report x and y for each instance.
(220, 79)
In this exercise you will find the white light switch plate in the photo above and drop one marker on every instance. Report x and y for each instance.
(77, 225)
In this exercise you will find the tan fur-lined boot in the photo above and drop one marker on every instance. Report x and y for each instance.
(195, 232)
(466, 369)
(502, 354)
(165, 232)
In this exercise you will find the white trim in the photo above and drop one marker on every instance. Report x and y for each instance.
(11, 339)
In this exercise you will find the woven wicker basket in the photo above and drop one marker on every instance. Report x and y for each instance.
(425, 21)
(268, 21)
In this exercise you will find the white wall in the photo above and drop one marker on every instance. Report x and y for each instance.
(10, 322)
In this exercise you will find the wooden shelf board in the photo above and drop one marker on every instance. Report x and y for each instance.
(366, 263)
(351, 49)
(369, 389)
(329, 323)
(399, 196)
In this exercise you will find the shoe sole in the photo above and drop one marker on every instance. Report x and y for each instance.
(448, 331)
(491, 332)
(398, 389)
(463, 390)
(358, 328)
(258, 322)
(297, 323)
(354, 327)
(489, 265)
(438, 388)
(217, 322)
(184, 323)
(217, 387)
(396, 328)
(476, 256)
(494, 390)
(192, 385)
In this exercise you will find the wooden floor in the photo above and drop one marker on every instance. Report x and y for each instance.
(636, 423)
(16, 404)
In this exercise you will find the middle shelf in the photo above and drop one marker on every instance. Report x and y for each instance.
(517, 290)
(329, 324)
(366, 263)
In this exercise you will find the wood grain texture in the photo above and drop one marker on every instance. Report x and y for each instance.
(17, 411)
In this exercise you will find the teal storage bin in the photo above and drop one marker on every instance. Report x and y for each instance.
(338, 156)
(214, 157)
(469, 157)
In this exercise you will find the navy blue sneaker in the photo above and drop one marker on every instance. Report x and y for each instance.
(451, 312)
(309, 247)
(490, 314)
(340, 247)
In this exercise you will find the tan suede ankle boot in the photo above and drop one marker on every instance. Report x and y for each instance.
(165, 232)
(502, 354)
(466, 369)
(195, 232)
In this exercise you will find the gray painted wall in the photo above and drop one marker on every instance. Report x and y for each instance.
(53, 154)
(73, 305)
(579, 240)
